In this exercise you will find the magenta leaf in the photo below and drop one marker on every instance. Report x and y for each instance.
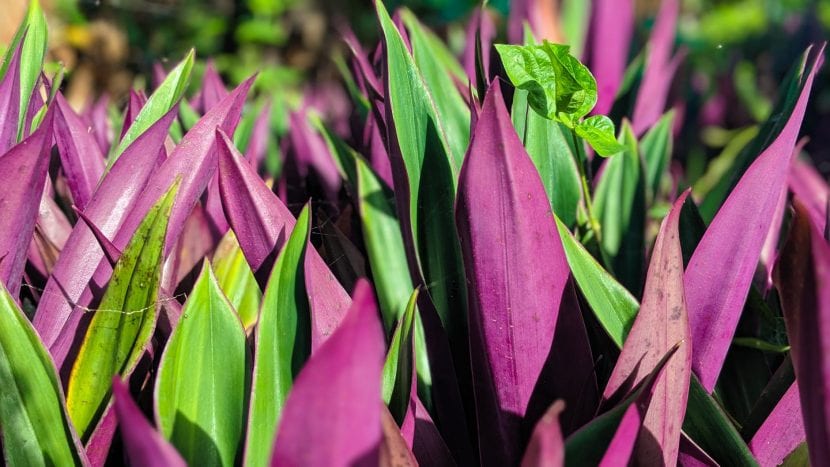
(612, 26)
(810, 188)
(659, 69)
(781, 432)
(335, 403)
(721, 269)
(81, 157)
(516, 274)
(144, 445)
(23, 171)
(261, 222)
(802, 276)
(546, 447)
(661, 323)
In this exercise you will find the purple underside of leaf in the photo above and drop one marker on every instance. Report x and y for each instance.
(212, 90)
(612, 25)
(481, 25)
(661, 323)
(378, 156)
(95, 115)
(135, 103)
(80, 257)
(621, 448)
(193, 160)
(802, 276)
(659, 69)
(10, 102)
(782, 431)
(516, 273)
(261, 223)
(311, 151)
(721, 269)
(144, 445)
(334, 405)
(809, 186)
(81, 158)
(547, 446)
(23, 171)
(366, 74)
(260, 136)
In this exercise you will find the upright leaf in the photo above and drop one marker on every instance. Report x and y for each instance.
(10, 100)
(656, 148)
(237, 280)
(202, 380)
(781, 433)
(23, 171)
(35, 428)
(612, 27)
(425, 174)
(546, 447)
(397, 370)
(162, 100)
(809, 186)
(283, 343)
(124, 322)
(620, 204)
(81, 158)
(661, 323)
(517, 272)
(144, 445)
(721, 269)
(335, 402)
(440, 70)
(803, 279)
(259, 220)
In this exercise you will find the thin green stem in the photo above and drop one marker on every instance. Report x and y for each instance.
(582, 166)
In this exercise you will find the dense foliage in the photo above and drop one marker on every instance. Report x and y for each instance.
(495, 259)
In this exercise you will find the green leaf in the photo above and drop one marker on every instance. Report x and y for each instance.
(546, 143)
(283, 342)
(613, 305)
(162, 100)
(397, 370)
(431, 173)
(600, 134)
(34, 427)
(125, 320)
(202, 380)
(237, 280)
(656, 147)
(387, 260)
(31, 58)
(560, 86)
(438, 67)
(619, 204)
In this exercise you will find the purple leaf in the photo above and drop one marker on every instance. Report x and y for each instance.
(481, 31)
(547, 446)
(621, 448)
(612, 26)
(96, 117)
(67, 289)
(394, 451)
(809, 186)
(802, 276)
(516, 274)
(378, 156)
(260, 137)
(691, 455)
(335, 403)
(781, 432)
(310, 150)
(10, 102)
(661, 323)
(261, 222)
(135, 103)
(212, 90)
(541, 15)
(428, 445)
(51, 232)
(23, 171)
(81, 157)
(145, 447)
(721, 269)
(659, 69)
(366, 73)
(110, 251)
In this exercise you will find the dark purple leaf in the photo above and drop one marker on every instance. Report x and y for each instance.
(23, 171)
(516, 274)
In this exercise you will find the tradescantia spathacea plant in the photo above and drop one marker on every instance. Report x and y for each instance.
(497, 261)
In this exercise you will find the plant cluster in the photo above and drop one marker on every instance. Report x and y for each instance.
(480, 267)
